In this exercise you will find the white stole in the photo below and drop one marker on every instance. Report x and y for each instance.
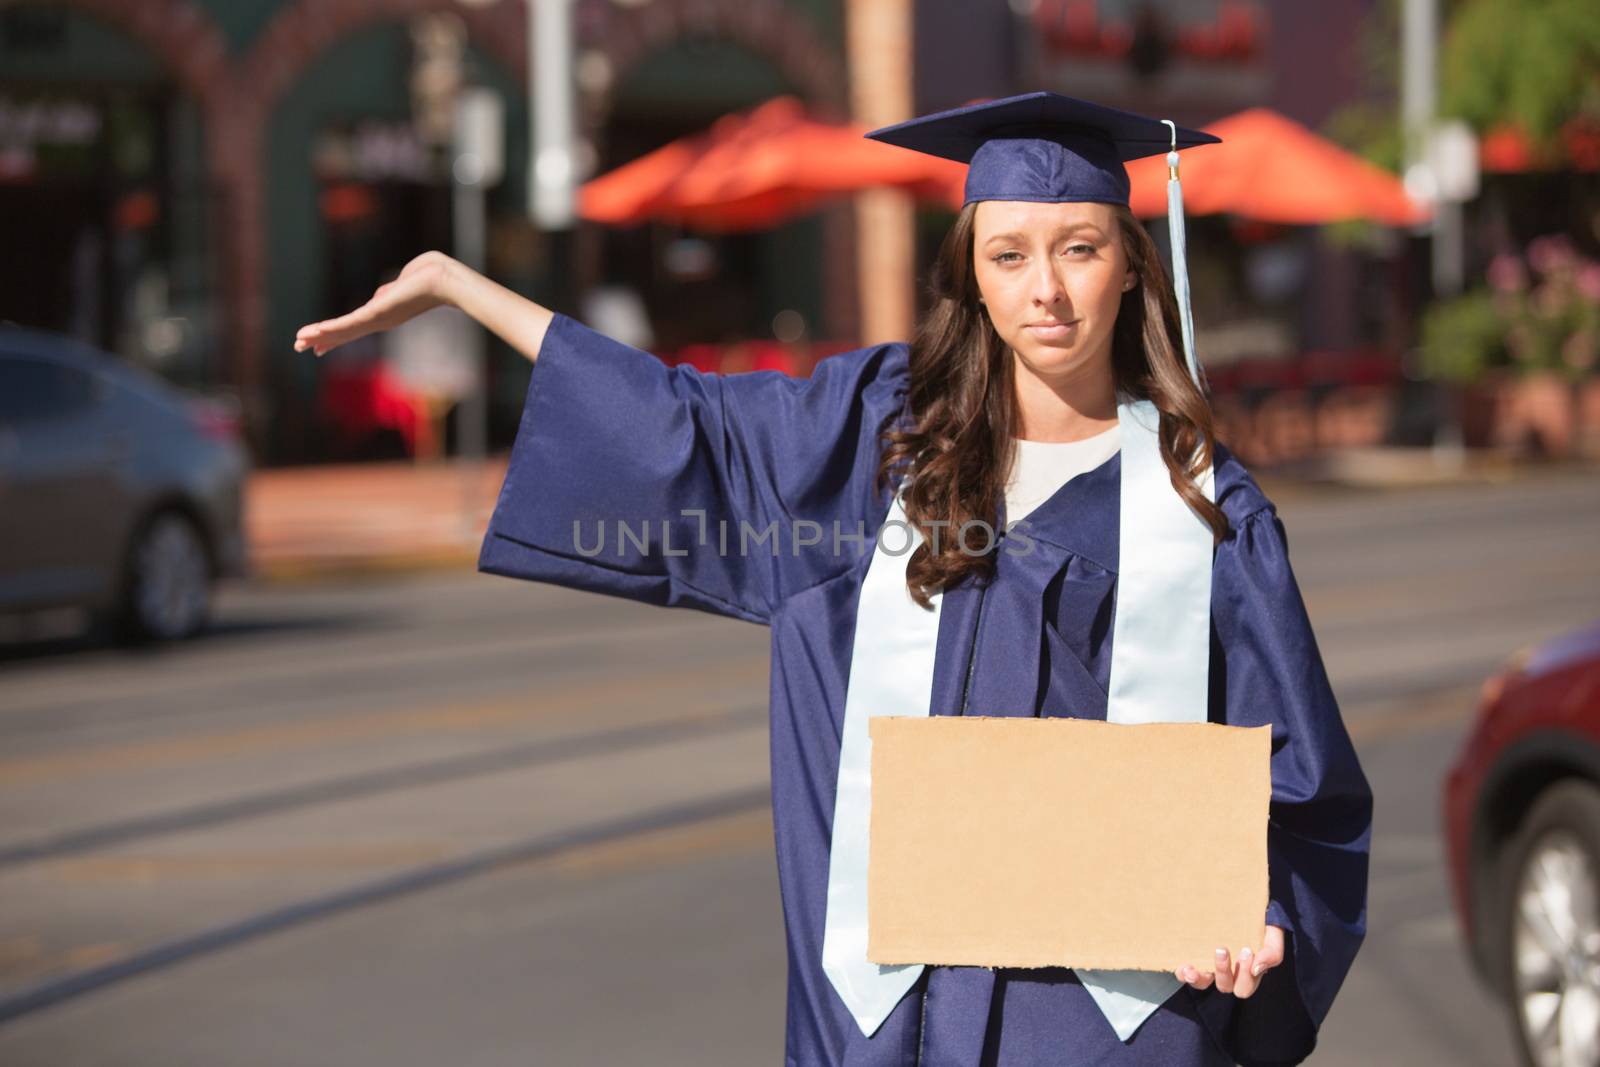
(1160, 663)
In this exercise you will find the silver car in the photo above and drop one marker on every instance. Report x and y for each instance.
(118, 492)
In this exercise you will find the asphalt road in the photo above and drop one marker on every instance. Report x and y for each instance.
(462, 819)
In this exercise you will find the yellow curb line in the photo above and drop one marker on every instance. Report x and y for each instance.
(310, 569)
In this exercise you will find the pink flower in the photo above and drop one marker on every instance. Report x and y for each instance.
(1589, 282)
(1507, 275)
(1551, 252)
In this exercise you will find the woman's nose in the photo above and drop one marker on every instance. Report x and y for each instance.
(1048, 289)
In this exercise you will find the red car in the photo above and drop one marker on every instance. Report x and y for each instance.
(1522, 826)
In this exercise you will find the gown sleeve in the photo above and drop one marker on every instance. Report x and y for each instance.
(1320, 821)
(677, 487)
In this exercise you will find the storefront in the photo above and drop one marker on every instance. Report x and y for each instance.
(102, 188)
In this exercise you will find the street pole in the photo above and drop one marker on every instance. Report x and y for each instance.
(471, 240)
(1419, 108)
(1419, 104)
(1418, 76)
(552, 172)
(879, 38)
(477, 162)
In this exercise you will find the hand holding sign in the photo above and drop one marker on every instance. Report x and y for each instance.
(1240, 977)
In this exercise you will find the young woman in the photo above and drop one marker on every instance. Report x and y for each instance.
(995, 442)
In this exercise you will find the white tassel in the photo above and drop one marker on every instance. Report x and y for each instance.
(1180, 258)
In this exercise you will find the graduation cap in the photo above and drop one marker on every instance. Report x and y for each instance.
(1050, 148)
(1041, 146)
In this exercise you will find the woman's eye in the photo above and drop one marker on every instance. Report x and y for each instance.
(1011, 257)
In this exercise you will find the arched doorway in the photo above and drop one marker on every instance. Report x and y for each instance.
(108, 180)
(334, 196)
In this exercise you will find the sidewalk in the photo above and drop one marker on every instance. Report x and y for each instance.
(1398, 469)
(311, 523)
(315, 523)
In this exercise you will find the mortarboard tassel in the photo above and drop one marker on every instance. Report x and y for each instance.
(1180, 257)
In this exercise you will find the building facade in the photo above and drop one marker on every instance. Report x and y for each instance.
(186, 182)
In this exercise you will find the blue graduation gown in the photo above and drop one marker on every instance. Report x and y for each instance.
(610, 433)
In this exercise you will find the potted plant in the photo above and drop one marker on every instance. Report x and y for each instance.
(1522, 349)
(1463, 345)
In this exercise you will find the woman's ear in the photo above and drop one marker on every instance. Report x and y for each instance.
(1130, 280)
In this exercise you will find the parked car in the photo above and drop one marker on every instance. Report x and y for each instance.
(1522, 827)
(119, 493)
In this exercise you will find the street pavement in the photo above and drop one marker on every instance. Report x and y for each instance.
(454, 818)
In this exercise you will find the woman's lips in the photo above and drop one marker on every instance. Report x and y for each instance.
(1055, 330)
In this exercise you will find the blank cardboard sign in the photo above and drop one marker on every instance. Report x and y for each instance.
(1044, 842)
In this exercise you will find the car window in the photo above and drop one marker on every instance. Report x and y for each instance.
(34, 389)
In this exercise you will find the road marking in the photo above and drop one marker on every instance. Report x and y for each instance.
(211, 669)
(1376, 597)
(1446, 707)
(25, 958)
(150, 869)
(559, 701)
(40, 964)
(709, 723)
(739, 832)
(70, 986)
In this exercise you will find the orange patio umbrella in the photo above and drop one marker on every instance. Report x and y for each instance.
(1271, 168)
(755, 169)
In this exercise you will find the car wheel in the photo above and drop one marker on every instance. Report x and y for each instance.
(1551, 928)
(167, 590)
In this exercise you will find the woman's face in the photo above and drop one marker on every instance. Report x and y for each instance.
(1052, 278)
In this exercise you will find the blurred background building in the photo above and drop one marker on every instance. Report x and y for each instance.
(185, 182)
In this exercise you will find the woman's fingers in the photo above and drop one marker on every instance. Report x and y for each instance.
(415, 291)
(330, 333)
(1248, 975)
(1224, 971)
(1239, 978)
(1253, 966)
(1271, 953)
(358, 323)
(376, 314)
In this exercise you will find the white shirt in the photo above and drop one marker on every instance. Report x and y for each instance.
(1043, 467)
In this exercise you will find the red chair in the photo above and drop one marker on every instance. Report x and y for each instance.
(359, 400)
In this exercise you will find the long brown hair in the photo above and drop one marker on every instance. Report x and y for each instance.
(963, 408)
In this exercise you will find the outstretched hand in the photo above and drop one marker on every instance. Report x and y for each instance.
(1239, 977)
(419, 287)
